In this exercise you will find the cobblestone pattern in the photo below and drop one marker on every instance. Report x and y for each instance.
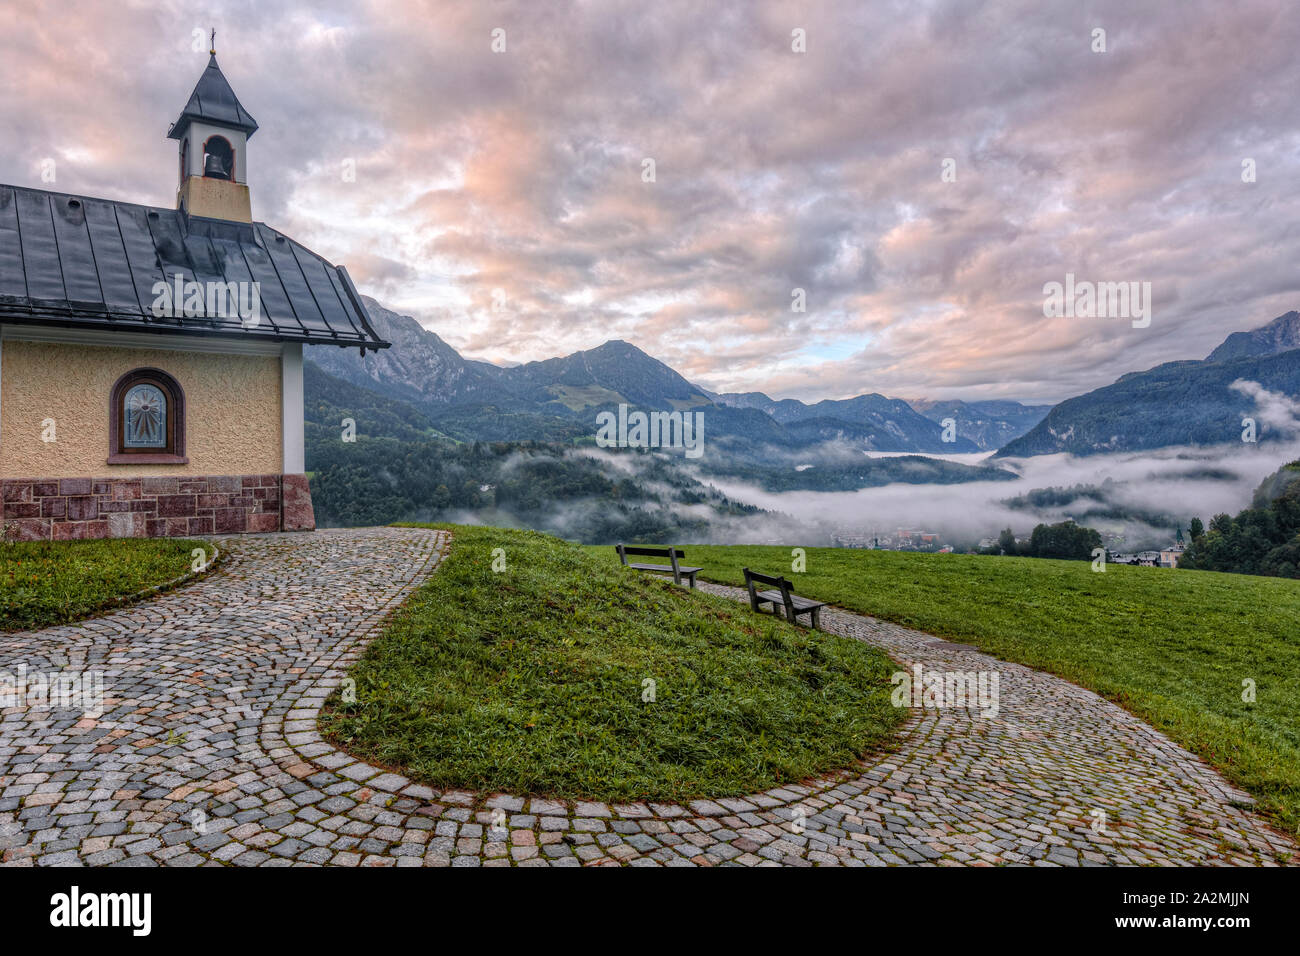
(208, 754)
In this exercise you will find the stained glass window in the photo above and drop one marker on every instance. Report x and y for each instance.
(146, 417)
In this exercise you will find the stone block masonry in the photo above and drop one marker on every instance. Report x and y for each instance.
(64, 509)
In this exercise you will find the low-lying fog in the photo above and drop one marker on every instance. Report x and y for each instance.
(1144, 488)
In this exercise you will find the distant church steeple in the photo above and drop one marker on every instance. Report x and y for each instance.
(213, 132)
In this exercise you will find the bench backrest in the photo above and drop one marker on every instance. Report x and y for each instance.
(650, 552)
(672, 554)
(781, 584)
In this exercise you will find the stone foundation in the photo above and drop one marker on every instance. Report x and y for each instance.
(296, 512)
(61, 509)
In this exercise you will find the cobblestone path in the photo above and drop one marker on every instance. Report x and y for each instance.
(207, 754)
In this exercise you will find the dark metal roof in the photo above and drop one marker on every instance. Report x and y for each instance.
(78, 262)
(213, 101)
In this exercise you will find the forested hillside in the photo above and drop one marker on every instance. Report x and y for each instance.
(1262, 539)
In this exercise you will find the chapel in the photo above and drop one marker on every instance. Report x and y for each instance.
(151, 377)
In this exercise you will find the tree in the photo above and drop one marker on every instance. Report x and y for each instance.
(1065, 540)
(1283, 561)
(1262, 539)
(441, 498)
(1007, 541)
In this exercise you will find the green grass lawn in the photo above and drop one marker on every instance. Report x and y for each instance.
(531, 680)
(1171, 646)
(55, 582)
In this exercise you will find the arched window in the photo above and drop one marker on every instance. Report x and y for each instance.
(218, 158)
(147, 419)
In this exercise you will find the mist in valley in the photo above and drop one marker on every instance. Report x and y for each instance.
(1141, 497)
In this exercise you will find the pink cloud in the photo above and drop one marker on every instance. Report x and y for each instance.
(521, 171)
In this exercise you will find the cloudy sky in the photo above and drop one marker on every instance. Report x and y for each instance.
(521, 173)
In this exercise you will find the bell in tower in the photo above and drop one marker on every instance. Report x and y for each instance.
(213, 131)
(219, 162)
(214, 168)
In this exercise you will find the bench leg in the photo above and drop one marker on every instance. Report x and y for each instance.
(816, 618)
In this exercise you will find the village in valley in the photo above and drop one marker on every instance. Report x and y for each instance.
(932, 542)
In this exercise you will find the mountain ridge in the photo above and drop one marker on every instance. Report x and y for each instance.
(1185, 402)
(1280, 335)
(558, 398)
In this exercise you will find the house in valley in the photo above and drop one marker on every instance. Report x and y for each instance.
(151, 376)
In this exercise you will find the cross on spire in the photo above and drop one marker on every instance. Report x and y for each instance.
(213, 48)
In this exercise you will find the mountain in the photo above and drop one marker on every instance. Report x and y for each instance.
(886, 424)
(395, 466)
(1280, 335)
(1177, 403)
(613, 373)
(558, 399)
(871, 422)
(989, 424)
(329, 401)
(844, 473)
(420, 367)
(758, 401)
(423, 369)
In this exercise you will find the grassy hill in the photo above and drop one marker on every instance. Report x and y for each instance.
(1172, 646)
(532, 679)
(43, 583)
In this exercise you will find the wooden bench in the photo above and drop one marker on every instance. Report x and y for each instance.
(781, 597)
(672, 554)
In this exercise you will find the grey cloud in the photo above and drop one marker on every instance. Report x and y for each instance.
(521, 171)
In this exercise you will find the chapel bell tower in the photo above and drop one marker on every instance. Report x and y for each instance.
(213, 131)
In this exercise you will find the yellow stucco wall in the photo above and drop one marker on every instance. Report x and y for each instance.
(232, 410)
(216, 198)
